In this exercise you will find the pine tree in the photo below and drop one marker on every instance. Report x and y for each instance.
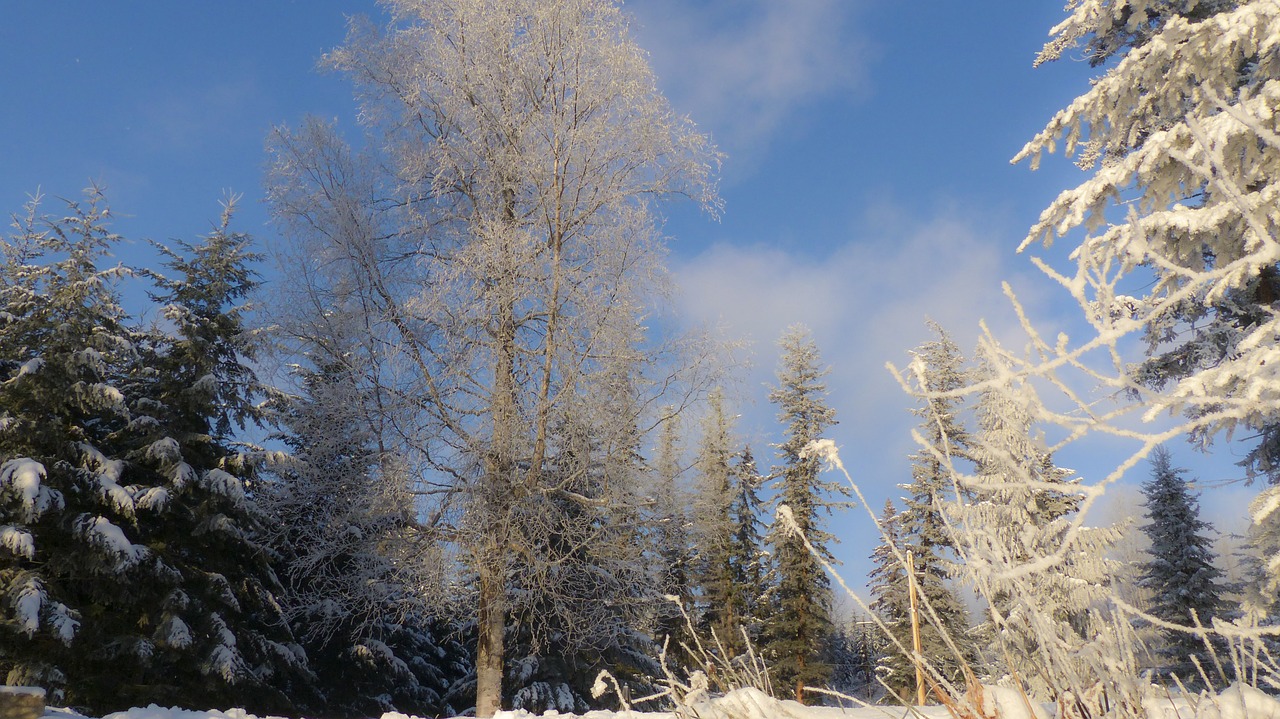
(924, 528)
(115, 439)
(714, 529)
(890, 594)
(65, 511)
(203, 391)
(339, 527)
(748, 559)
(671, 541)
(1019, 511)
(584, 610)
(797, 633)
(1178, 137)
(1181, 574)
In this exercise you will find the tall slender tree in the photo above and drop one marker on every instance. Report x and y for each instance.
(718, 613)
(672, 541)
(797, 633)
(938, 372)
(1181, 574)
(890, 594)
(748, 558)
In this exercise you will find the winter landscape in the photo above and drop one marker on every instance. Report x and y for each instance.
(437, 418)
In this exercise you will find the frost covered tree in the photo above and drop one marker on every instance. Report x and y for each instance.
(339, 526)
(503, 242)
(890, 600)
(1178, 136)
(1018, 510)
(116, 465)
(925, 530)
(671, 540)
(714, 526)
(1185, 583)
(1181, 132)
(797, 631)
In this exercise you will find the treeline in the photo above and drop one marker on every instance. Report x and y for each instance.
(153, 555)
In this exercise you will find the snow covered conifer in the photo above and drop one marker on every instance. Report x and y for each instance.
(924, 528)
(1181, 574)
(338, 523)
(66, 512)
(1019, 510)
(890, 595)
(796, 634)
(1179, 135)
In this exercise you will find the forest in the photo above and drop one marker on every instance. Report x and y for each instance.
(453, 461)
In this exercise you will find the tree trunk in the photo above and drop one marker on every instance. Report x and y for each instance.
(490, 625)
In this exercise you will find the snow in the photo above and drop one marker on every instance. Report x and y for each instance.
(100, 531)
(26, 603)
(1236, 702)
(225, 484)
(27, 691)
(17, 541)
(24, 475)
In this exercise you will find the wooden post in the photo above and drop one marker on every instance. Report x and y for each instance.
(915, 629)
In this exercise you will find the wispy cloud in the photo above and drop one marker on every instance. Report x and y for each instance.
(866, 303)
(746, 70)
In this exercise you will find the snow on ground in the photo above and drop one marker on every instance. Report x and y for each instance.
(1236, 702)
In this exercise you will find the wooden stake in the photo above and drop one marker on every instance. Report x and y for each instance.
(915, 629)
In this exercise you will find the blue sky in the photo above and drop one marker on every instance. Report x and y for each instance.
(867, 181)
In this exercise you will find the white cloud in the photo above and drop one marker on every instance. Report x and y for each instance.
(866, 302)
(745, 70)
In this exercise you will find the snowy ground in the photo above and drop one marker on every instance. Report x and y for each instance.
(1234, 703)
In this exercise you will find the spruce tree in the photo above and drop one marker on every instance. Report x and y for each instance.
(714, 529)
(117, 440)
(797, 633)
(67, 510)
(748, 559)
(339, 526)
(671, 542)
(1181, 574)
(1019, 510)
(891, 602)
(924, 526)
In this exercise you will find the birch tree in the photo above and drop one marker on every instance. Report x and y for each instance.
(500, 246)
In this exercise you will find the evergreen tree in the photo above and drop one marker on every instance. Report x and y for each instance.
(925, 531)
(339, 526)
(65, 512)
(671, 541)
(798, 630)
(1019, 511)
(1181, 573)
(891, 602)
(719, 613)
(583, 611)
(116, 443)
(748, 559)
